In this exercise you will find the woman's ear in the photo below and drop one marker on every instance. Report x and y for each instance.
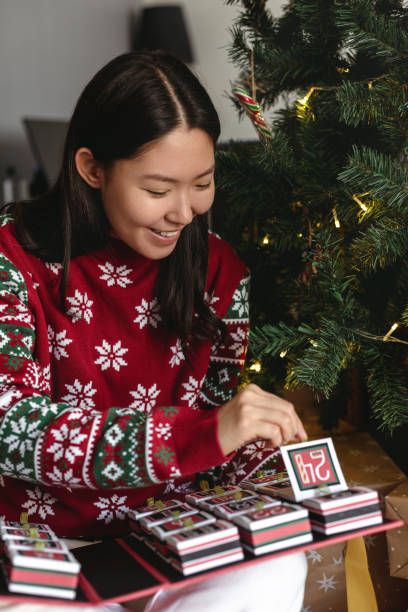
(88, 168)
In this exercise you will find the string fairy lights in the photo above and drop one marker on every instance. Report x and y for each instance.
(356, 197)
(303, 101)
(256, 367)
(390, 331)
(336, 219)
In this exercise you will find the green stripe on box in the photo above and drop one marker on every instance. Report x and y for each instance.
(43, 571)
(289, 537)
(273, 527)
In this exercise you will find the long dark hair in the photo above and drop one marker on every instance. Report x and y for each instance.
(133, 100)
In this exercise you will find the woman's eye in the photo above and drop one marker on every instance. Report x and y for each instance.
(206, 186)
(156, 194)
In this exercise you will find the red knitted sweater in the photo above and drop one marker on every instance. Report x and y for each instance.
(99, 408)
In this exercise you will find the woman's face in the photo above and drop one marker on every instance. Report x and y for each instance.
(150, 199)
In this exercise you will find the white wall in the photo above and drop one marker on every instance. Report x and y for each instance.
(49, 49)
(209, 21)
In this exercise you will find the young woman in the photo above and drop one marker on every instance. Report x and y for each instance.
(123, 323)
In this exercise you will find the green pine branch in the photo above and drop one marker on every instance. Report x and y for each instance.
(275, 339)
(380, 174)
(360, 104)
(381, 244)
(368, 30)
(324, 359)
(387, 388)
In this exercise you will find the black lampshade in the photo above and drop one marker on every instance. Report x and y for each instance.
(164, 27)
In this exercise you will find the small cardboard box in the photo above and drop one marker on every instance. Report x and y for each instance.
(364, 463)
(396, 507)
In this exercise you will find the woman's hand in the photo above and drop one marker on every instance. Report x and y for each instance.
(255, 414)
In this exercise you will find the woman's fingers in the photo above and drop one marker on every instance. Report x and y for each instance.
(298, 432)
(256, 414)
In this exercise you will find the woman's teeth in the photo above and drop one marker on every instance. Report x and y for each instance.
(166, 234)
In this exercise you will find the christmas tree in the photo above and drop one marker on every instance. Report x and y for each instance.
(318, 205)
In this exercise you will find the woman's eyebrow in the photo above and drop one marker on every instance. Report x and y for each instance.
(168, 179)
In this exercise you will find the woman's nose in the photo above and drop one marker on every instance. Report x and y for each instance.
(182, 211)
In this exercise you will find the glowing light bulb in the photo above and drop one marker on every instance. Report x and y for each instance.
(303, 101)
(255, 367)
(389, 332)
(265, 240)
(356, 197)
(336, 219)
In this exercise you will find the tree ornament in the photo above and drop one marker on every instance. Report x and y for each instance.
(254, 112)
(310, 268)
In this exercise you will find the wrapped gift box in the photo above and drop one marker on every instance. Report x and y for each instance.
(396, 506)
(326, 579)
(364, 463)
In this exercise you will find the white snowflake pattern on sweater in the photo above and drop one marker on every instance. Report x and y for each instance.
(112, 507)
(240, 300)
(80, 395)
(192, 387)
(39, 502)
(80, 307)
(239, 341)
(115, 275)
(111, 355)
(63, 478)
(23, 437)
(58, 341)
(148, 313)
(145, 399)
(66, 443)
(11, 469)
(177, 354)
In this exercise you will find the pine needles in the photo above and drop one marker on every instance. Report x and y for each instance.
(321, 215)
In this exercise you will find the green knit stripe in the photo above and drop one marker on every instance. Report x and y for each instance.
(20, 431)
(16, 340)
(119, 454)
(12, 280)
(219, 384)
(239, 307)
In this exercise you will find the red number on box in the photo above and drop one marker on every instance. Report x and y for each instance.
(314, 466)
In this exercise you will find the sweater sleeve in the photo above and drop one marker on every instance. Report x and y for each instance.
(227, 358)
(57, 444)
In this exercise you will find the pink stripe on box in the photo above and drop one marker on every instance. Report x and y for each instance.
(276, 533)
(40, 577)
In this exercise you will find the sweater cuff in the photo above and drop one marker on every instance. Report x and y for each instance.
(196, 442)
